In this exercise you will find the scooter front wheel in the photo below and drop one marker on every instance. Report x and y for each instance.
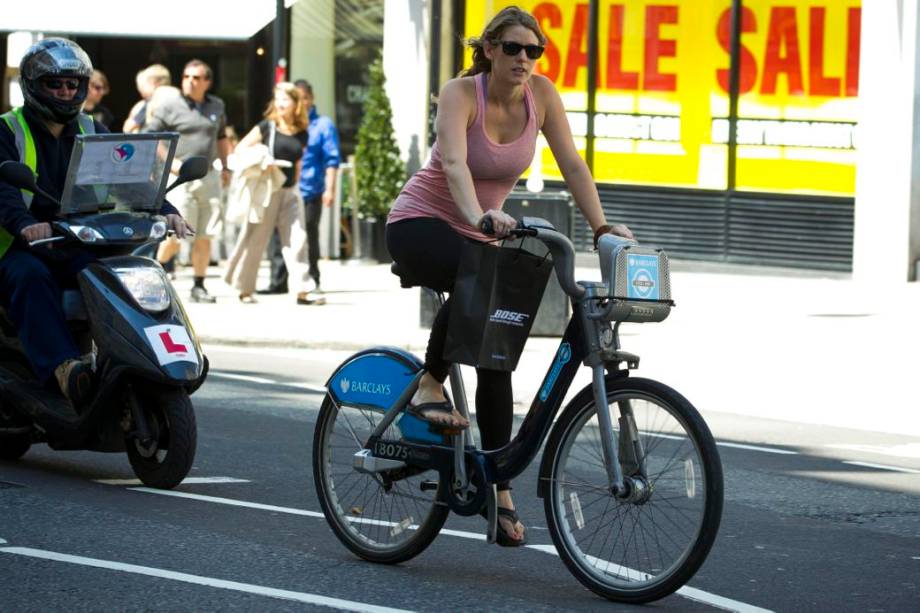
(163, 458)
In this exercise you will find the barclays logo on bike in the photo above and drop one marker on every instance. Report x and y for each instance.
(364, 387)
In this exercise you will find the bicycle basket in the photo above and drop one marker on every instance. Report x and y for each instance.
(638, 280)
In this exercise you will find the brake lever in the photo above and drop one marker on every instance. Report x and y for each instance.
(43, 241)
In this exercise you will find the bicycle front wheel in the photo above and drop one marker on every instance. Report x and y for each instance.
(640, 549)
(385, 517)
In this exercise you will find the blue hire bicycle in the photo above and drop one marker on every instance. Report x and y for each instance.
(630, 475)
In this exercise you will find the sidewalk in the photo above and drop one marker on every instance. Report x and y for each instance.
(785, 344)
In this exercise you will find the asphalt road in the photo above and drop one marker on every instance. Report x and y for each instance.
(815, 518)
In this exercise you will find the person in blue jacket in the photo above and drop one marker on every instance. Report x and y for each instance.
(54, 77)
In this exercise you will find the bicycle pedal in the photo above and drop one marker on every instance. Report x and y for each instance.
(428, 486)
(445, 431)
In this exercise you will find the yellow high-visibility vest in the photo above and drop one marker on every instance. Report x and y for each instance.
(26, 145)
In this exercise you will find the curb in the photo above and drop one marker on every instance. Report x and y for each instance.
(302, 344)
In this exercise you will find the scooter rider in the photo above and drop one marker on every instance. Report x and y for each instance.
(54, 76)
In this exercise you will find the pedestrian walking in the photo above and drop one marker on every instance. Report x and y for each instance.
(199, 118)
(98, 88)
(319, 165)
(275, 142)
(147, 81)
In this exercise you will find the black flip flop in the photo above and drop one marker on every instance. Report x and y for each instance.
(418, 411)
(501, 535)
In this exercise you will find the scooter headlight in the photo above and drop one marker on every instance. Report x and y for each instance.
(147, 285)
(87, 234)
(158, 230)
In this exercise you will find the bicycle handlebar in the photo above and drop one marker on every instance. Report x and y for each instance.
(559, 246)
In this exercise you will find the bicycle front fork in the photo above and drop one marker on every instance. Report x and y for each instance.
(623, 455)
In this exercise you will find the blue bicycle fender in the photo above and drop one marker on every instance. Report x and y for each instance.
(373, 377)
(377, 377)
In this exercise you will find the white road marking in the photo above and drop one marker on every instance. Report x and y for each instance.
(314, 599)
(898, 469)
(227, 501)
(757, 448)
(289, 510)
(691, 593)
(235, 377)
(186, 481)
(3, 541)
(676, 437)
(688, 592)
(310, 387)
(907, 450)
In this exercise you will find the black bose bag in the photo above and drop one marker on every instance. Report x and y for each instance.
(493, 304)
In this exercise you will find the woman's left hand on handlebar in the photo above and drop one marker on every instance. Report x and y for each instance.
(621, 230)
(179, 226)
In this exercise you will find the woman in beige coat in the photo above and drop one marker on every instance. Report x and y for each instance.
(284, 133)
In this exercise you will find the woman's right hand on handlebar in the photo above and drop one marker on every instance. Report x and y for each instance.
(502, 223)
(36, 231)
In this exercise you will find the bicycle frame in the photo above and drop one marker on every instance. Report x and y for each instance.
(587, 339)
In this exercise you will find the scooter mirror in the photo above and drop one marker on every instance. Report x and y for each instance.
(194, 167)
(18, 175)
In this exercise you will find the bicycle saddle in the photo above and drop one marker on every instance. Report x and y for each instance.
(405, 278)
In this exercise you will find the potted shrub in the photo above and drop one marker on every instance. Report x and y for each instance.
(379, 171)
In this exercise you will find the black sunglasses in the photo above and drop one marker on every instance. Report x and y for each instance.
(72, 84)
(511, 48)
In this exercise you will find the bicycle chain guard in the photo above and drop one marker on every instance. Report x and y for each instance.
(474, 497)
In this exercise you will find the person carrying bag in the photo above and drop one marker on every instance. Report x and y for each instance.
(487, 124)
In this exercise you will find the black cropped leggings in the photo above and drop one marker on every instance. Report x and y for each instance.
(430, 251)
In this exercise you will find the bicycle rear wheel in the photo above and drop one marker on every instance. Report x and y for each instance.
(640, 550)
(382, 517)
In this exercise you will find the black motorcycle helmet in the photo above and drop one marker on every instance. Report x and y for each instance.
(54, 57)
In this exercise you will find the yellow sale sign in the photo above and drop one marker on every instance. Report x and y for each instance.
(662, 89)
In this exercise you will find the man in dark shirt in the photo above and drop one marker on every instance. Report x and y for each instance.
(54, 75)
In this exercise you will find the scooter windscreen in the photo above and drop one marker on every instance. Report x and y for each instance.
(118, 172)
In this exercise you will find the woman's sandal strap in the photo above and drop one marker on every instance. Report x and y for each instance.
(419, 411)
(502, 537)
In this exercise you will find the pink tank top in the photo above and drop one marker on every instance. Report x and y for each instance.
(495, 169)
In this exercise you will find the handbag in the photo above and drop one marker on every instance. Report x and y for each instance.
(495, 299)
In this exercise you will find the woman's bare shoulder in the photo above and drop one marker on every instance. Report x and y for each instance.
(460, 86)
(541, 86)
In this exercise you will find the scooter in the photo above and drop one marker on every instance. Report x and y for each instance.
(127, 318)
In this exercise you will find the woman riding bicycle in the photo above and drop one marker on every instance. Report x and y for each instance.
(487, 125)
